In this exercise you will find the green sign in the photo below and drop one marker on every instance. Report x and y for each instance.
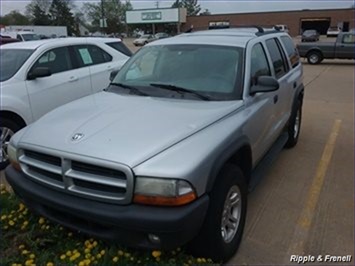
(151, 16)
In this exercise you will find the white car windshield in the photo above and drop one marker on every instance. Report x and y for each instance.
(30, 37)
(11, 60)
(206, 69)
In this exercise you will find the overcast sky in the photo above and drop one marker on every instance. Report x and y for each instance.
(214, 6)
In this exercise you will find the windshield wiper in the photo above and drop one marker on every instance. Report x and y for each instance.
(131, 88)
(180, 89)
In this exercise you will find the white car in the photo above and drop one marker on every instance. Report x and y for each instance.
(333, 31)
(23, 36)
(38, 76)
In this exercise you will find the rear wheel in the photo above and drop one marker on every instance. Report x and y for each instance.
(222, 231)
(7, 129)
(294, 125)
(314, 57)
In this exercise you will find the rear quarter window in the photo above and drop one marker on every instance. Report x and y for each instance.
(291, 51)
(119, 46)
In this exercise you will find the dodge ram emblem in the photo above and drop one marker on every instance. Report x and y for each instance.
(77, 136)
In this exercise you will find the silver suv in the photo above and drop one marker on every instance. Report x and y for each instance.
(166, 154)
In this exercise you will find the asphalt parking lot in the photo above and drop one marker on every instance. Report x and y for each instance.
(305, 203)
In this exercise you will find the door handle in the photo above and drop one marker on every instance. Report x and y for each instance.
(276, 98)
(295, 85)
(73, 78)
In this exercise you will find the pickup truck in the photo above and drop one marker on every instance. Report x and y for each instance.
(343, 48)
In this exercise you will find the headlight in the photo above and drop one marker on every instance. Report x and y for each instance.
(165, 192)
(12, 153)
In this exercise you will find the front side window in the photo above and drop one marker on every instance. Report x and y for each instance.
(276, 57)
(57, 60)
(11, 61)
(259, 65)
(205, 69)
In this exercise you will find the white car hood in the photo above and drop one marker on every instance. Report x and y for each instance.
(123, 129)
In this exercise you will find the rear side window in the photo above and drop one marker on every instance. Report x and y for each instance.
(259, 64)
(349, 39)
(276, 57)
(119, 46)
(57, 60)
(291, 51)
(88, 55)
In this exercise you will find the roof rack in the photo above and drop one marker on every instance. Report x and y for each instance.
(261, 29)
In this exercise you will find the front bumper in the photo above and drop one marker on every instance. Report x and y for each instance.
(125, 224)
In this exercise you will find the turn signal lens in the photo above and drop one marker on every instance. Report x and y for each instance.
(165, 201)
(12, 153)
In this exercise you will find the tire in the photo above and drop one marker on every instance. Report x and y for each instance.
(7, 129)
(210, 243)
(314, 57)
(294, 125)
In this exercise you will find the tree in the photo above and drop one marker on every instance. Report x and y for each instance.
(113, 11)
(38, 6)
(15, 18)
(192, 6)
(39, 16)
(60, 15)
(205, 13)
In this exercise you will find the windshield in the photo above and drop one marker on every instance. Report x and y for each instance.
(310, 32)
(30, 37)
(11, 60)
(210, 70)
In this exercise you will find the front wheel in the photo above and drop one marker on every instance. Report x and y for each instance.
(7, 129)
(314, 58)
(222, 231)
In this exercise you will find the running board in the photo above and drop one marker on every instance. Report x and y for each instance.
(265, 163)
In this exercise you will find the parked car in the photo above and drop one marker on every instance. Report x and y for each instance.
(144, 39)
(161, 35)
(282, 27)
(166, 154)
(342, 48)
(310, 36)
(333, 31)
(7, 39)
(38, 76)
(22, 36)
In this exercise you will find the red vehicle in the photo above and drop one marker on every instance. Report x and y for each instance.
(6, 39)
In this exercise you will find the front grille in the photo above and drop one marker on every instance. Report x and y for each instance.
(109, 184)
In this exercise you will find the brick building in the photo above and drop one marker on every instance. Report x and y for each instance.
(296, 21)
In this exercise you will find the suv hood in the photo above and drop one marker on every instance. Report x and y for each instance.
(123, 129)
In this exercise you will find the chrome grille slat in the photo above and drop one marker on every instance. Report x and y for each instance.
(96, 179)
(41, 165)
(84, 176)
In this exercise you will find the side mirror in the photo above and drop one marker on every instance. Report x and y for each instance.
(39, 72)
(264, 84)
(113, 74)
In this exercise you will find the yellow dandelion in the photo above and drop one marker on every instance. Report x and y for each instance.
(63, 256)
(156, 253)
(41, 220)
(94, 244)
(28, 262)
(21, 207)
(50, 264)
(199, 260)
(25, 223)
(203, 260)
(157, 259)
(3, 217)
(6, 227)
(11, 223)
(127, 254)
(102, 252)
(70, 234)
(120, 253)
(47, 227)
(61, 228)
(32, 256)
(87, 250)
(87, 256)
(24, 252)
(87, 261)
(115, 259)
(81, 263)
(21, 246)
(98, 256)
